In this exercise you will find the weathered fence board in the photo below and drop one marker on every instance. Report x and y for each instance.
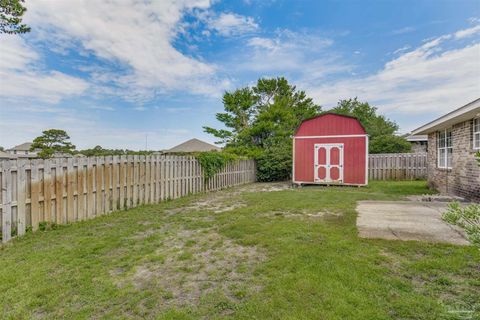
(397, 166)
(65, 190)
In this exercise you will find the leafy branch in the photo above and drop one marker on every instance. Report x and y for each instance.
(468, 218)
(11, 12)
(213, 162)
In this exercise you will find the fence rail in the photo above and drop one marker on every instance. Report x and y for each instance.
(397, 166)
(65, 190)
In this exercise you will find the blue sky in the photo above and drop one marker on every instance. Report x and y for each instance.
(112, 73)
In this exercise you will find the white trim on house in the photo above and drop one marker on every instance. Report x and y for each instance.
(336, 136)
(417, 138)
(445, 148)
(467, 112)
(476, 133)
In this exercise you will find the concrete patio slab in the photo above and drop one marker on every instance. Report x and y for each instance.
(407, 220)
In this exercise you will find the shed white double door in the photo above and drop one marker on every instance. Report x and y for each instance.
(328, 164)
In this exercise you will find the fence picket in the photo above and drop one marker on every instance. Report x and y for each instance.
(397, 166)
(22, 196)
(7, 201)
(65, 190)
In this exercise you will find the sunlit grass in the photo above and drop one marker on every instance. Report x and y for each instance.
(291, 254)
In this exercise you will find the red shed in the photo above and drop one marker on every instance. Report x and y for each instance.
(330, 149)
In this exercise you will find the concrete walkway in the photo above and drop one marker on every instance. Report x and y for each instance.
(406, 220)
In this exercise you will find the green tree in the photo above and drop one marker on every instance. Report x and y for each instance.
(260, 121)
(389, 144)
(51, 141)
(11, 12)
(99, 151)
(380, 129)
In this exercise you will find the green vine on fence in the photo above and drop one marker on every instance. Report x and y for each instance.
(213, 162)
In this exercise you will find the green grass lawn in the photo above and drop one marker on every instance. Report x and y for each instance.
(254, 252)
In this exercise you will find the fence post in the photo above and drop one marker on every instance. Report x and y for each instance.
(65, 190)
(6, 201)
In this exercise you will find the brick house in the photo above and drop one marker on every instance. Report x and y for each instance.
(453, 140)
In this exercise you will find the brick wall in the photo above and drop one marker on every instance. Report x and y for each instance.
(464, 178)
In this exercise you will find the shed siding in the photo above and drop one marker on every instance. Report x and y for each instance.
(354, 158)
(331, 129)
(330, 125)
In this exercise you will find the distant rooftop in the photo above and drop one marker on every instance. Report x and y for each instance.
(193, 145)
(22, 147)
(5, 155)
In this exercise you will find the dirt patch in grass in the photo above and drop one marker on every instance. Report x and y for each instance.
(304, 214)
(144, 234)
(217, 202)
(266, 187)
(228, 200)
(198, 263)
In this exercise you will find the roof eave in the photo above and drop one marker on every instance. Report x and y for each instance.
(468, 111)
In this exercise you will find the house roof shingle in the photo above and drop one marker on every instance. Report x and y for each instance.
(22, 147)
(193, 145)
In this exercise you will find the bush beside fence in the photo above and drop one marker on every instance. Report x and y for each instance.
(65, 190)
(397, 166)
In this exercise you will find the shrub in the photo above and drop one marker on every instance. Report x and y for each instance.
(468, 218)
(389, 144)
(275, 163)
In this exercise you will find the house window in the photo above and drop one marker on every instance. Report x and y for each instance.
(476, 133)
(445, 149)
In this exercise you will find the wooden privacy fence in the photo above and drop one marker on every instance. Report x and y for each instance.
(65, 190)
(397, 166)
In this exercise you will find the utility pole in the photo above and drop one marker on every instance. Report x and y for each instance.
(146, 141)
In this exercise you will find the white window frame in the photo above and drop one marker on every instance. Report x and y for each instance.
(444, 147)
(476, 134)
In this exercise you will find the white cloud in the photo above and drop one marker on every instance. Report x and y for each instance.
(178, 110)
(228, 24)
(428, 79)
(264, 43)
(291, 52)
(21, 75)
(138, 36)
(100, 107)
(85, 130)
(402, 49)
(467, 32)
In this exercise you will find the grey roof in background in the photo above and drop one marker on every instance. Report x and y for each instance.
(5, 155)
(194, 145)
(415, 138)
(22, 147)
